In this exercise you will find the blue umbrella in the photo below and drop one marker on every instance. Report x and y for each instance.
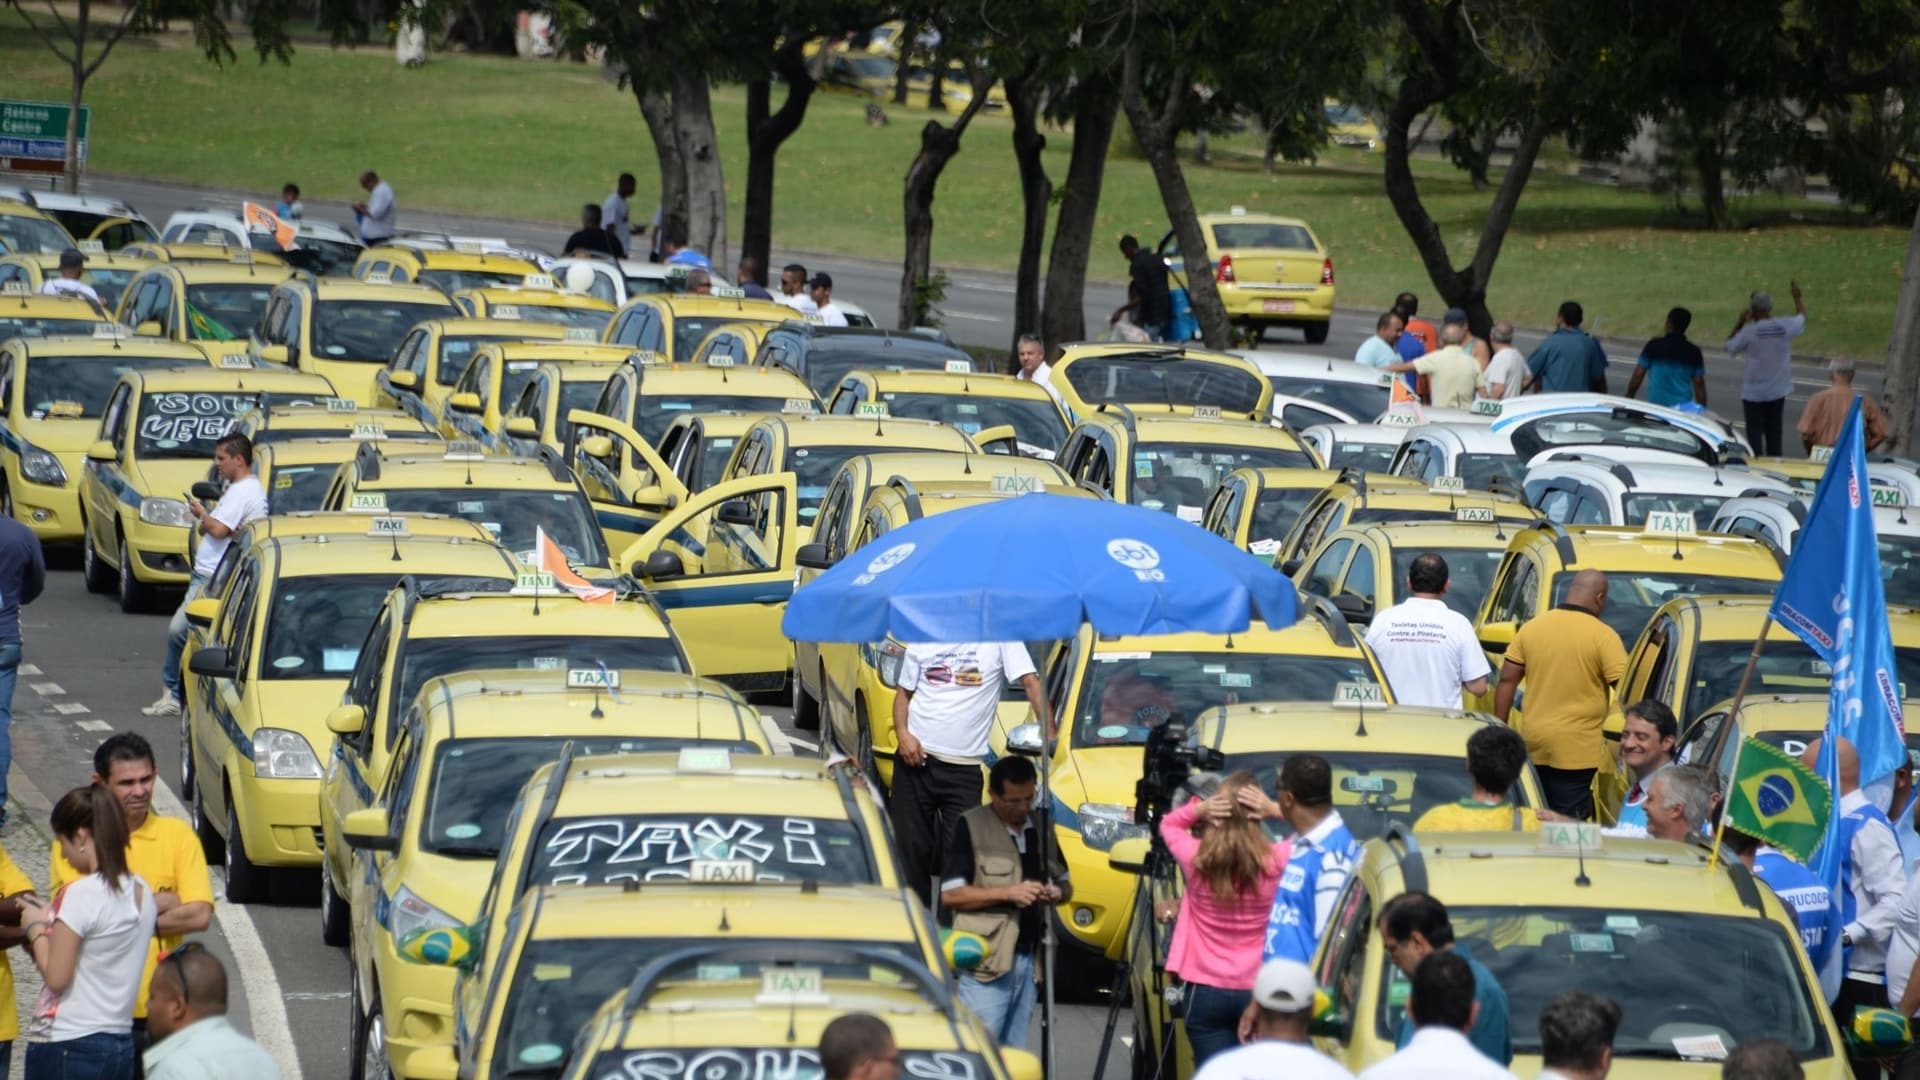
(1037, 568)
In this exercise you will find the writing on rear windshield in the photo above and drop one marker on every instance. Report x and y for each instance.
(182, 417)
(764, 1064)
(611, 850)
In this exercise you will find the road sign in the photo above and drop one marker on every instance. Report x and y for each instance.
(33, 136)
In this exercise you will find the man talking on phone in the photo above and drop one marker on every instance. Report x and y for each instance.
(243, 501)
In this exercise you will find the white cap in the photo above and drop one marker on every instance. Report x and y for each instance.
(579, 278)
(1284, 986)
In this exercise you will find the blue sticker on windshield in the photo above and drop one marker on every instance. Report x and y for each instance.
(338, 659)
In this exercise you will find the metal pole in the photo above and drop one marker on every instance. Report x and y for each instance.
(1045, 837)
(1733, 717)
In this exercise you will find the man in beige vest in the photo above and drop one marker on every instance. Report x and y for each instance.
(991, 881)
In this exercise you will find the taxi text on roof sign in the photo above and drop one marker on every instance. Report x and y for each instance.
(235, 360)
(1669, 523)
(792, 986)
(369, 430)
(90, 247)
(538, 281)
(959, 367)
(1474, 515)
(720, 871)
(797, 405)
(1359, 693)
(505, 311)
(1487, 407)
(705, 758)
(1888, 496)
(367, 500)
(1820, 454)
(870, 408)
(1206, 412)
(388, 526)
(727, 292)
(1016, 484)
(342, 405)
(533, 580)
(719, 360)
(581, 333)
(13, 288)
(1569, 836)
(1398, 419)
(1447, 484)
(592, 678)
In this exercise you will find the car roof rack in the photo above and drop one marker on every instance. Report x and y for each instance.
(1321, 609)
(908, 494)
(1405, 847)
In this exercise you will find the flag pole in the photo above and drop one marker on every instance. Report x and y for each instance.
(1733, 717)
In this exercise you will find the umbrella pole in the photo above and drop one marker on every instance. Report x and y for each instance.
(1045, 837)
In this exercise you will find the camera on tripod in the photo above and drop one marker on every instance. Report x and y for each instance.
(1172, 756)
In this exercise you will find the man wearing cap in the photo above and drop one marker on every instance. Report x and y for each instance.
(1475, 346)
(820, 287)
(1826, 412)
(1767, 344)
(68, 283)
(1274, 1031)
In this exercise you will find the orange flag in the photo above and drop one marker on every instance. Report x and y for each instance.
(261, 219)
(1403, 398)
(550, 559)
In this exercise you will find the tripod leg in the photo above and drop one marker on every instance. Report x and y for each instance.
(1122, 973)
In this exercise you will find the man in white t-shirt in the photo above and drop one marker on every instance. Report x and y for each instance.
(615, 215)
(67, 282)
(821, 288)
(1426, 649)
(1507, 372)
(1034, 368)
(942, 713)
(242, 502)
(1274, 1032)
(793, 290)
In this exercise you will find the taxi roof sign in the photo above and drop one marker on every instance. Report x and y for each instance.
(792, 986)
(112, 331)
(241, 256)
(378, 277)
(504, 311)
(13, 288)
(592, 678)
(1447, 485)
(1669, 523)
(706, 758)
(369, 431)
(465, 450)
(1398, 419)
(1888, 496)
(533, 581)
(959, 367)
(468, 247)
(644, 357)
(727, 292)
(388, 526)
(719, 360)
(89, 247)
(339, 404)
(1206, 412)
(871, 408)
(538, 281)
(1473, 515)
(814, 318)
(1820, 454)
(367, 500)
(1018, 484)
(1359, 694)
(722, 872)
(797, 405)
(581, 333)
(1569, 836)
(236, 360)
(1487, 406)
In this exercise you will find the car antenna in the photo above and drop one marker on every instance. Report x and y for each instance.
(395, 537)
(793, 1007)
(536, 591)
(1499, 532)
(1677, 557)
(724, 927)
(1580, 852)
(1361, 731)
(469, 464)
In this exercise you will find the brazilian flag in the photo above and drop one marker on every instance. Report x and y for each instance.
(1778, 800)
(205, 327)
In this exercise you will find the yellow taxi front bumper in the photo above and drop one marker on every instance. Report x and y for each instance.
(52, 511)
(279, 819)
(158, 552)
(417, 1000)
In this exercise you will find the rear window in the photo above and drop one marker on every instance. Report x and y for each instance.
(1261, 234)
(1150, 379)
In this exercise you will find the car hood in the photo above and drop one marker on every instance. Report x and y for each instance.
(168, 478)
(65, 438)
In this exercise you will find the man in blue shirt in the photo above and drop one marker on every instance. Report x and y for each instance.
(1672, 367)
(1804, 894)
(1414, 926)
(1324, 852)
(1569, 361)
(23, 573)
(1380, 349)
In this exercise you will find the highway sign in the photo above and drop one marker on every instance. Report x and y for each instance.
(33, 136)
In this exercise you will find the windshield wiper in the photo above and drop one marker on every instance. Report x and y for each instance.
(473, 851)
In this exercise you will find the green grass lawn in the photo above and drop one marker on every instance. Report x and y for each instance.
(533, 140)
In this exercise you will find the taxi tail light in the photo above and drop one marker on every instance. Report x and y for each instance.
(889, 654)
(1224, 272)
(1326, 271)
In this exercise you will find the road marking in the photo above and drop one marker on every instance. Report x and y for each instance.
(93, 725)
(48, 689)
(781, 744)
(31, 669)
(983, 286)
(802, 743)
(971, 315)
(330, 995)
(74, 708)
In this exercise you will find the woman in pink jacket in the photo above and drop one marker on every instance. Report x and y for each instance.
(1232, 869)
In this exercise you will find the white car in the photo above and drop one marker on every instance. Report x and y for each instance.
(1595, 489)
(1367, 447)
(88, 217)
(1720, 432)
(620, 280)
(1470, 451)
(1578, 422)
(319, 246)
(1351, 392)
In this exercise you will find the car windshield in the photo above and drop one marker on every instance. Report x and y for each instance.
(1786, 665)
(110, 282)
(475, 781)
(1154, 380)
(1262, 234)
(1178, 477)
(1638, 504)
(80, 223)
(1125, 695)
(575, 394)
(1539, 953)
(593, 319)
(829, 362)
(714, 453)
(1632, 597)
(1900, 568)
(226, 312)
(431, 657)
(299, 487)
(67, 387)
(657, 411)
(184, 424)
(1480, 471)
(513, 515)
(452, 281)
(1619, 428)
(366, 330)
(317, 624)
(25, 234)
(813, 467)
(456, 352)
(1370, 790)
(646, 286)
(1367, 457)
(1469, 574)
(33, 326)
(1273, 517)
(1345, 114)
(609, 849)
(327, 258)
(1036, 424)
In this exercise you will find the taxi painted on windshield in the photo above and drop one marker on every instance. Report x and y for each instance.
(343, 328)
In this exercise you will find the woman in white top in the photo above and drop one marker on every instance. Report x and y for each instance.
(90, 945)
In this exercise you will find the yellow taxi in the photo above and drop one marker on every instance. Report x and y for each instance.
(211, 303)
(1171, 461)
(334, 418)
(1270, 272)
(107, 271)
(731, 343)
(431, 629)
(537, 417)
(673, 324)
(1253, 509)
(198, 251)
(26, 230)
(696, 448)
(1349, 125)
(1109, 693)
(974, 403)
(30, 315)
(1363, 568)
(813, 446)
(516, 499)
(1091, 374)
(428, 842)
(1390, 763)
(435, 353)
(446, 267)
(52, 393)
(498, 373)
(716, 1006)
(343, 328)
(1802, 473)
(155, 438)
(1365, 498)
(1564, 910)
(1788, 721)
(280, 644)
(536, 299)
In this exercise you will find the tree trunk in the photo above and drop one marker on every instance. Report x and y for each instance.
(700, 155)
(937, 84)
(903, 60)
(1156, 135)
(1036, 193)
(1063, 316)
(938, 144)
(1710, 165)
(1902, 377)
(765, 134)
(81, 18)
(657, 109)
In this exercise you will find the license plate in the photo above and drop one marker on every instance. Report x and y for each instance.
(1277, 307)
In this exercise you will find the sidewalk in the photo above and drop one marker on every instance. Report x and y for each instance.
(25, 838)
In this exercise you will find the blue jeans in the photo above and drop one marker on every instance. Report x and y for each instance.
(177, 638)
(1004, 1005)
(89, 1057)
(9, 673)
(1212, 1017)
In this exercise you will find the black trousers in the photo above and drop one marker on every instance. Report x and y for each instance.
(926, 802)
(1764, 420)
(1856, 994)
(1568, 791)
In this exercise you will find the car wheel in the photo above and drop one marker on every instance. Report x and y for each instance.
(863, 753)
(1317, 332)
(214, 848)
(806, 707)
(373, 1047)
(246, 883)
(98, 574)
(187, 794)
(361, 1036)
(333, 909)
(133, 595)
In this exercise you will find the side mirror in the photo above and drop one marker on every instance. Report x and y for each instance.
(653, 497)
(1025, 740)
(433, 1063)
(347, 720)
(102, 451)
(813, 556)
(1020, 1064)
(213, 662)
(1356, 608)
(1496, 636)
(466, 402)
(1290, 567)
(1129, 856)
(523, 427)
(403, 380)
(201, 612)
(369, 830)
(595, 446)
(1000, 439)
(276, 354)
(150, 328)
(205, 490)
(662, 565)
(737, 512)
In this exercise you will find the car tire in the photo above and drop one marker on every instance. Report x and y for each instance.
(134, 597)
(246, 883)
(211, 845)
(806, 707)
(99, 575)
(367, 1042)
(188, 793)
(1317, 332)
(334, 927)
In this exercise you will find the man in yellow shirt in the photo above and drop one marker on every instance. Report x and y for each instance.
(13, 885)
(164, 851)
(1496, 756)
(1570, 661)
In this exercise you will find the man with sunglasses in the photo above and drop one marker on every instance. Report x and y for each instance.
(187, 1016)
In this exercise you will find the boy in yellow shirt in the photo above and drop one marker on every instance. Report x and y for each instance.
(1496, 756)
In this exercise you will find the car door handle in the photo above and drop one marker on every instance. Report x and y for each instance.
(770, 599)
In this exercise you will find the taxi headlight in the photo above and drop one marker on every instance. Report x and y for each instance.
(1103, 825)
(41, 467)
(408, 914)
(165, 512)
(279, 754)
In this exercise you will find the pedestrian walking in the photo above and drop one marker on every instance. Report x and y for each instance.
(1673, 368)
(89, 945)
(1232, 869)
(1647, 735)
(1443, 1005)
(1274, 1031)
(1031, 355)
(243, 501)
(1576, 1036)
(1826, 412)
(1378, 350)
(1496, 756)
(1679, 799)
(858, 1046)
(15, 887)
(1149, 300)
(942, 711)
(187, 1015)
(1477, 347)
(1762, 1059)
(1812, 903)
(793, 290)
(616, 216)
(591, 237)
(66, 281)
(375, 217)
(1322, 858)
(993, 881)
(820, 287)
(1507, 372)
(1767, 344)
(1451, 372)
(23, 575)
(1413, 927)
(1427, 650)
(289, 208)
(1569, 361)
(1570, 661)
(753, 280)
